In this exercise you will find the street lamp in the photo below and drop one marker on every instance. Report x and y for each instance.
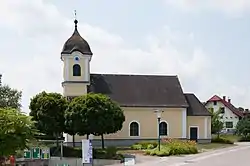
(158, 115)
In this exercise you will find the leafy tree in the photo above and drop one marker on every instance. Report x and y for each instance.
(74, 121)
(243, 127)
(16, 131)
(10, 97)
(48, 109)
(99, 115)
(216, 123)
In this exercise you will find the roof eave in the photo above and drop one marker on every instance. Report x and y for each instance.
(154, 106)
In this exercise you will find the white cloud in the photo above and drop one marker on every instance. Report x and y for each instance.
(34, 33)
(230, 7)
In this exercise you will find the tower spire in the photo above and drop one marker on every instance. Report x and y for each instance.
(75, 21)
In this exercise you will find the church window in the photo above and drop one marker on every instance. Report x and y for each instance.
(163, 129)
(76, 70)
(134, 129)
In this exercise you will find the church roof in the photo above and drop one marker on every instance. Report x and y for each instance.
(140, 90)
(76, 43)
(196, 108)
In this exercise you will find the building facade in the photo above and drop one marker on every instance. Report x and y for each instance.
(230, 115)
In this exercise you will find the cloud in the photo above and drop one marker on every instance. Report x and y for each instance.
(34, 33)
(233, 8)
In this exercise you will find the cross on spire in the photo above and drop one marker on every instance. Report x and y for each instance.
(75, 20)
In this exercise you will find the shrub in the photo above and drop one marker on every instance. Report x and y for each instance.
(165, 151)
(144, 145)
(245, 139)
(222, 140)
(174, 147)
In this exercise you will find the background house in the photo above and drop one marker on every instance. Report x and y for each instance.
(183, 115)
(230, 115)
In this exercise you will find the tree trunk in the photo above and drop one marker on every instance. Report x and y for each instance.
(218, 134)
(102, 141)
(73, 136)
(57, 141)
(87, 136)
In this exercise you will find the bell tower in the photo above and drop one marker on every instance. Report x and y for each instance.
(76, 56)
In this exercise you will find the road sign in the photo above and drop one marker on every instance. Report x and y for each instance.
(45, 154)
(36, 153)
(27, 154)
(87, 149)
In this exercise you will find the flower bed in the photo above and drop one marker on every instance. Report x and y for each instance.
(168, 147)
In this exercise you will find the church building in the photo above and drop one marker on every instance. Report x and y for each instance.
(182, 115)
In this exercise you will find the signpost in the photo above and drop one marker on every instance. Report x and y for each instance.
(45, 154)
(87, 152)
(36, 153)
(27, 154)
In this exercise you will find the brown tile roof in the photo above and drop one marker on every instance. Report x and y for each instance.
(140, 90)
(196, 108)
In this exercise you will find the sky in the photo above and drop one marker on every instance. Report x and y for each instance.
(204, 42)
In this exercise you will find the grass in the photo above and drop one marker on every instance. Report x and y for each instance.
(232, 137)
(201, 147)
(213, 146)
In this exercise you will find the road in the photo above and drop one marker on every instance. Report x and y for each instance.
(239, 155)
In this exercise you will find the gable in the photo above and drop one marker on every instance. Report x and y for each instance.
(223, 103)
(139, 90)
(196, 108)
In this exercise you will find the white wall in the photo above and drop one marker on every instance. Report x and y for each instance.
(228, 116)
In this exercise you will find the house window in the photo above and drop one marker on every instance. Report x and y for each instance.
(134, 129)
(163, 129)
(215, 102)
(229, 125)
(76, 70)
(222, 110)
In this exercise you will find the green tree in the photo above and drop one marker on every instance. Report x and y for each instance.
(74, 121)
(216, 123)
(10, 97)
(100, 115)
(243, 127)
(48, 109)
(16, 131)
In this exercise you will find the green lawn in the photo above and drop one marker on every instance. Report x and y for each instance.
(201, 147)
(232, 137)
(212, 146)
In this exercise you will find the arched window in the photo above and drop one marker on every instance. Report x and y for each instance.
(163, 129)
(134, 129)
(76, 70)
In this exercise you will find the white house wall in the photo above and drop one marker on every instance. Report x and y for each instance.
(228, 116)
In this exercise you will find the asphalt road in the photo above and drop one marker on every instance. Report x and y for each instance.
(239, 156)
